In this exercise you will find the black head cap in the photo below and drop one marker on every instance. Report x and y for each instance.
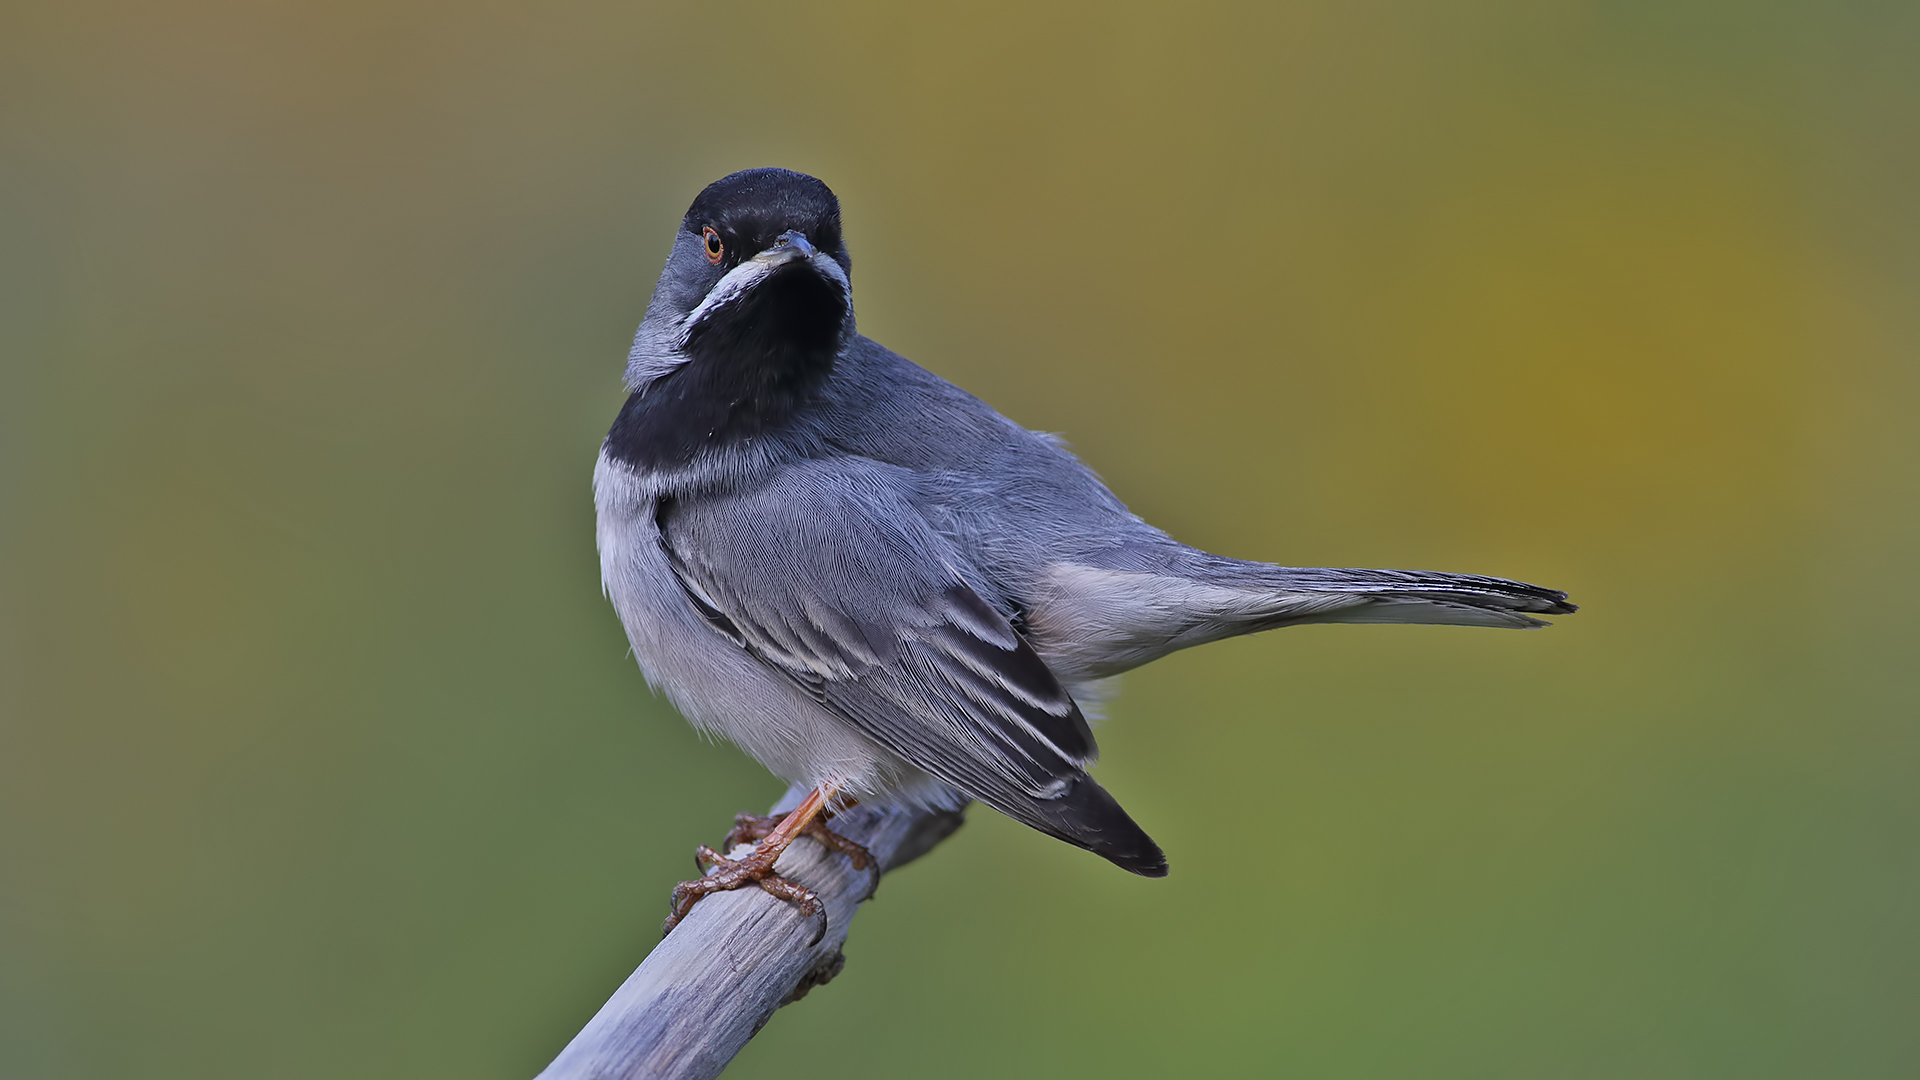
(752, 208)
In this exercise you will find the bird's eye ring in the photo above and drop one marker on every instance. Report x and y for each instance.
(715, 249)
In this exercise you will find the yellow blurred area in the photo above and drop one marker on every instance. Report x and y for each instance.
(320, 754)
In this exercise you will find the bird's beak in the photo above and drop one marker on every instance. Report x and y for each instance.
(792, 245)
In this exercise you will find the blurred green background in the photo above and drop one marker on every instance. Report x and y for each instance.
(320, 753)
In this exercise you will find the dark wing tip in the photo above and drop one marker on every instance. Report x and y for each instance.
(1152, 863)
(1086, 816)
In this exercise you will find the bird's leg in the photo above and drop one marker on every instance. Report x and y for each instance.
(773, 834)
(750, 827)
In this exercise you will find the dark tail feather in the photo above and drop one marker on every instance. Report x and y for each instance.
(1304, 595)
(1429, 596)
(1086, 816)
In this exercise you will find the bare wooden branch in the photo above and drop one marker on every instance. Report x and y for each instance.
(712, 984)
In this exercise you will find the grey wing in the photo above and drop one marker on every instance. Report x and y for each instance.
(830, 574)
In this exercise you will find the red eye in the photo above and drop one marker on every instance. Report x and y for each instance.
(715, 248)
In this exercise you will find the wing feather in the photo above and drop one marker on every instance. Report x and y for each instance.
(835, 579)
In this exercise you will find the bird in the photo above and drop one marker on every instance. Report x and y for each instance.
(879, 587)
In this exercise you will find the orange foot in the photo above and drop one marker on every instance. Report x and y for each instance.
(774, 834)
(751, 827)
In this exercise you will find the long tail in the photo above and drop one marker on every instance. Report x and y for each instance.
(1138, 604)
(1303, 595)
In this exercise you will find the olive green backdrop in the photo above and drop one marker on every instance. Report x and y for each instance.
(320, 753)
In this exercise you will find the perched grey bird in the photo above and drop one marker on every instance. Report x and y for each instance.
(878, 586)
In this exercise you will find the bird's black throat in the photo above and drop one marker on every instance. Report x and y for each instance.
(753, 364)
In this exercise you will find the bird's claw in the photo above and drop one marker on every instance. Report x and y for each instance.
(770, 837)
(756, 869)
(748, 828)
